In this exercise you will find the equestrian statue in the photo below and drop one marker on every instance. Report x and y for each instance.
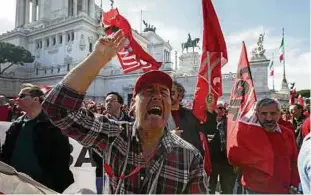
(190, 43)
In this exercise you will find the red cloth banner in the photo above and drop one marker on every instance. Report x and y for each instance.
(214, 56)
(132, 56)
(247, 143)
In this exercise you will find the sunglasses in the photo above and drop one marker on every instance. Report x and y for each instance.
(21, 96)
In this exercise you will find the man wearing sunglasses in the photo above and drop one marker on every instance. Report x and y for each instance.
(34, 146)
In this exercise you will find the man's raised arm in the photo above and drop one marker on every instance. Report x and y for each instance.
(81, 77)
(63, 102)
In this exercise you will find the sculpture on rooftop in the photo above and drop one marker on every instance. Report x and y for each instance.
(259, 51)
(149, 27)
(190, 43)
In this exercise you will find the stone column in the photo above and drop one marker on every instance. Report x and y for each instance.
(64, 38)
(17, 12)
(51, 41)
(20, 7)
(27, 12)
(34, 10)
(75, 7)
(85, 6)
(41, 9)
(92, 9)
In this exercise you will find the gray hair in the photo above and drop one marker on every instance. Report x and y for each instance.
(266, 102)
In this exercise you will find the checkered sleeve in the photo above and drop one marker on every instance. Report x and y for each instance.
(63, 106)
(198, 177)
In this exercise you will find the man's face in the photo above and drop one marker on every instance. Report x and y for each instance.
(2, 100)
(268, 116)
(152, 107)
(175, 96)
(295, 112)
(112, 105)
(11, 102)
(220, 110)
(25, 101)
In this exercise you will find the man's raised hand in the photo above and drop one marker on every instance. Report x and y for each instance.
(108, 46)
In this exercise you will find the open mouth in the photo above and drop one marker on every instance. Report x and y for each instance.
(155, 110)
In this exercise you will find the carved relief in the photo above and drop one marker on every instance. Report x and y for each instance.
(69, 48)
(68, 59)
(91, 39)
(82, 42)
(37, 53)
(52, 51)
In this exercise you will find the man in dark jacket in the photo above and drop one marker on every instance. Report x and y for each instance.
(216, 130)
(186, 125)
(297, 120)
(34, 146)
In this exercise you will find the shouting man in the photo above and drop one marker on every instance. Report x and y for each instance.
(284, 178)
(140, 157)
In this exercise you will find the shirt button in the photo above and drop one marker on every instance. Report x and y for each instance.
(142, 178)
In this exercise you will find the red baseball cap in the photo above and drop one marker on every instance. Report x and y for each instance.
(152, 77)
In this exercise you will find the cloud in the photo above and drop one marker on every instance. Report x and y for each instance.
(297, 59)
(7, 16)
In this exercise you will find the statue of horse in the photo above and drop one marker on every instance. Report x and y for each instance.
(192, 43)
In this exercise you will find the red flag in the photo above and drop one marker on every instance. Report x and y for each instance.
(247, 143)
(45, 88)
(207, 160)
(292, 97)
(132, 56)
(214, 56)
(300, 101)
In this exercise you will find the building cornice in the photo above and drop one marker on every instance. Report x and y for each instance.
(49, 27)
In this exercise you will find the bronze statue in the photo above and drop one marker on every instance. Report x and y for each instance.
(190, 43)
(259, 50)
(189, 38)
(149, 27)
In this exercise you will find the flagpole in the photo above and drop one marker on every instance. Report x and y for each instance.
(283, 54)
(141, 20)
(273, 74)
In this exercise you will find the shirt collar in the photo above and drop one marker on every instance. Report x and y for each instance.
(166, 141)
(120, 118)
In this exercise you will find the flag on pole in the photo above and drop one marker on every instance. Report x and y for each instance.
(281, 50)
(132, 56)
(214, 56)
(300, 101)
(247, 143)
(271, 68)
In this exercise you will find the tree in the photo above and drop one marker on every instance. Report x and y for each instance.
(304, 93)
(14, 55)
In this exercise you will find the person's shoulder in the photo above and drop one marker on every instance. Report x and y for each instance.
(180, 144)
(286, 130)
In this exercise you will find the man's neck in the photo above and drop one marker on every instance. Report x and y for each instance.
(33, 113)
(175, 107)
(298, 117)
(150, 139)
(116, 114)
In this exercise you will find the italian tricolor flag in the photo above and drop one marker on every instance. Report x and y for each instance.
(281, 49)
(271, 68)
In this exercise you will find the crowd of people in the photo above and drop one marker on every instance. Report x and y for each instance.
(153, 145)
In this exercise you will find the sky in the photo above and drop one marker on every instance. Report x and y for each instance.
(240, 20)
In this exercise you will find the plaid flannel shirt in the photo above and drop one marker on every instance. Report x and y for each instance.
(176, 168)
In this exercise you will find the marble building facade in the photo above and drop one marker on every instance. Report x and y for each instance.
(61, 33)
